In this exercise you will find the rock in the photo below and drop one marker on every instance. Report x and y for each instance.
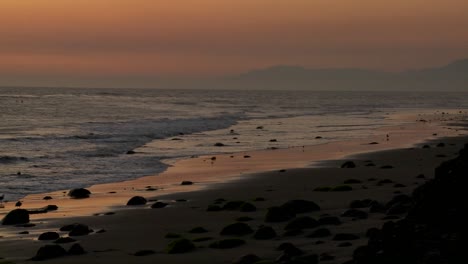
(23, 233)
(236, 229)
(47, 198)
(440, 145)
(355, 213)
(348, 165)
(426, 146)
(265, 232)
(76, 249)
(144, 252)
(178, 246)
(342, 188)
(248, 207)
(15, 217)
(385, 181)
(292, 232)
(300, 206)
(79, 193)
(80, 230)
(246, 156)
(48, 236)
(137, 200)
(329, 220)
(197, 230)
(64, 240)
(157, 205)
(386, 167)
(344, 244)
(359, 204)
(278, 214)
(273, 140)
(302, 222)
(259, 199)
(131, 152)
(227, 243)
(244, 219)
(218, 144)
(172, 235)
(326, 257)
(420, 176)
(233, 205)
(397, 209)
(399, 185)
(323, 189)
(345, 236)
(186, 183)
(213, 208)
(201, 239)
(376, 207)
(49, 252)
(289, 251)
(352, 181)
(50, 207)
(248, 259)
(320, 232)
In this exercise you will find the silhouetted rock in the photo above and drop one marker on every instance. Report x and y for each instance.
(180, 246)
(49, 252)
(137, 200)
(47, 198)
(265, 232)
(80, 230)
(300, 206)
(248, 259)
(48, 236)
(130, 152)
(15, 217)
(320, 232)
(345, 236)
(302, 222)
(329, 220)
(79, 193)
(355, 213)
(157, 205)
(144, 252)
(348, 165)
(198, 230)
(352, 181)
(227, 243)
(236, 229)
(233, 205)
(76, 249)
(440, 145)
(360, 203)
(186, 183)
(64, 240)
(248, 207)
(50, 207)
(219, 144)
(278, 214)
(213, 208)
(342, 188)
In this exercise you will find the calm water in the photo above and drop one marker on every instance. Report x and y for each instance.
(54, 139)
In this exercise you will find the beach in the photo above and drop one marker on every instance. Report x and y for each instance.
(267, 178)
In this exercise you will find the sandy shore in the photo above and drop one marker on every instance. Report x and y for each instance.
(237, 177)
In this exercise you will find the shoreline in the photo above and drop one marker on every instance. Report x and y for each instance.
(257, 172)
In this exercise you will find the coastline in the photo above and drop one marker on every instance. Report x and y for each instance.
(238, 173)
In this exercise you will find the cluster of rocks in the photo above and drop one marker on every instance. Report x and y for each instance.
(433, 231)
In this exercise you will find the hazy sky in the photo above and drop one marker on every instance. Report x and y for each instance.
(138, 39)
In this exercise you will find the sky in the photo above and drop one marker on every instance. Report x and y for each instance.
(135, 42)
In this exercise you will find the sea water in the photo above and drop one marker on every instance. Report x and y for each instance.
(62, 138)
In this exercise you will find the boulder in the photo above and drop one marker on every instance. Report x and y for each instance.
(342, 188)
(15, 217)
(198, 230)
(186, 183)
(345, 236)
(233, 205)
(302, 222)
(329, 220)
(137, 200)
(48, 236)
(144, 252)
(278, 214)
(227, 243)
(355, 213)
(49, 252)
(320, 232)
(178, 246)
(64, 240)
(79, 193)
(76, 249)
(236, 229)
(80, 230)
(159, 205)
(300, 206)
(248, 207)
(348, 165)
(265, 232)
(248, 259)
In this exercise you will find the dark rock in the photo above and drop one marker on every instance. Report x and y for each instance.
(79, 230)
(144, 252)
(399, 185)
(370, 165)
(49, 252)
(15, 217)
(48, 236)
(278, 214)
(300, 206)
(137, 200)
(26, 225)
(292, 232)
(344, 244)
(50, 207)
(198, 230)
(76, 249)
(345, 236)
(186, 183)
(157, 205)
(219, 144)
(302, 222)
(289, 251)
(131, 152)
(426, 146)
(440, 145)
(320, 232)
(227, 243)
(100, 231)
(213, 208)
(342, 188)
(348, 165)
(376, 207)
(178, 246)
(23, 233)
(248, 259)
(79, 193)
(397, 209)
(420, 176)
(323, 189)
(233, 205)
(244, 219)
(265, 232)
(248, 207)
(259, 199)
(385, 181)
(399, 199)
(359, 204)
(329, 220)
(355, 213)
(202, 239)
(326, 257)
(172, 235)
(246, 156)
(236, 229)
(273, 140)
(64, 240)
(47, 198)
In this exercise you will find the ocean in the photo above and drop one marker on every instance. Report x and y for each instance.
(62, 138)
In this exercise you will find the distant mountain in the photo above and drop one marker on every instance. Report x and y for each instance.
(453, 76)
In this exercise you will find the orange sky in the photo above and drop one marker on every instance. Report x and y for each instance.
(105, 38)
